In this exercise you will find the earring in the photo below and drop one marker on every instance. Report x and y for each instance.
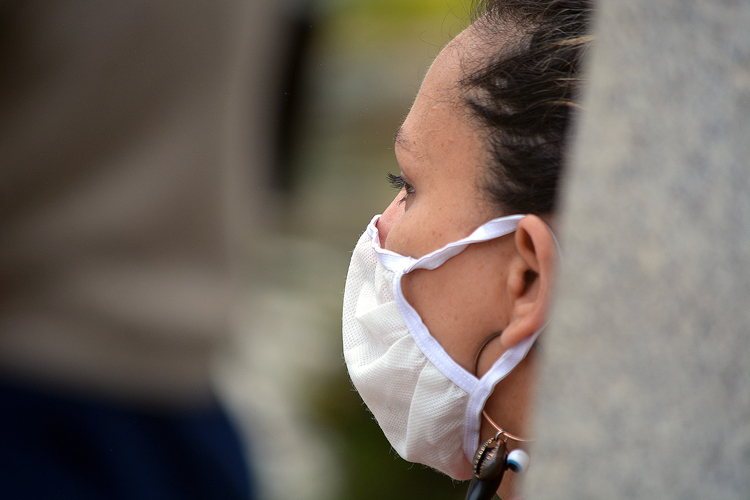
(518, 461)
(490, 462)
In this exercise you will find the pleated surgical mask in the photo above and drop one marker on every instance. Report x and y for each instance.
(428, 406)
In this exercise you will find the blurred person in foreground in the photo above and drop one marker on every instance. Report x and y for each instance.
(133, 139)
(449, 289)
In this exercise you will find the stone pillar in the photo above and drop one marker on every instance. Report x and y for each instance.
(645, 390)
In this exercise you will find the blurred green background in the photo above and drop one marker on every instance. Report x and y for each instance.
(363, 69)
(312, 436)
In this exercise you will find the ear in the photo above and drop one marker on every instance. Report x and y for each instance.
(531, 279)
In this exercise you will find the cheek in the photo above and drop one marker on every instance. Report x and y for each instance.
(405, 231)
(420, 229)
(429, 221)
(462, 303)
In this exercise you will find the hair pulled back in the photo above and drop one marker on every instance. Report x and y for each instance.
(525, 96)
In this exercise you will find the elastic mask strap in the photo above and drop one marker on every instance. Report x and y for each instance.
(492, 459)
(499, 370)
(397, 263)
(501, 433)
(400, 265)
(478, 397)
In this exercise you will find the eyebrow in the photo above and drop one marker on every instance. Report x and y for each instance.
(399, 139)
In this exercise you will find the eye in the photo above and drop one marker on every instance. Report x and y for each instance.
(399, 183)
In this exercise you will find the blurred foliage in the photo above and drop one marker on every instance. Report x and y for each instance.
(358, 23)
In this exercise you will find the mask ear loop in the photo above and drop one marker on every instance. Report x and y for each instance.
(492, 458)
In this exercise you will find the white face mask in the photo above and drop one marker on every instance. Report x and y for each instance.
(428, 406)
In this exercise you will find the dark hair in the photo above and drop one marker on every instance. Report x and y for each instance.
(525, 95)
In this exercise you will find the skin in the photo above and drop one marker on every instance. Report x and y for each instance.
(501, 285)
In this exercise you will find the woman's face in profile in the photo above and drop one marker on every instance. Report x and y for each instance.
(442, 158)
(443, 161)
(480, 297)
(489, 297)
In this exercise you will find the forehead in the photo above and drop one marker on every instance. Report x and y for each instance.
(440, 103)
(440, 148)
(451, 66)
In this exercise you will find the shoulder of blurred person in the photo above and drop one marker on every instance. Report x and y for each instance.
(133, 137)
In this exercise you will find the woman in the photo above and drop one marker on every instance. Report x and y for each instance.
(448, 290)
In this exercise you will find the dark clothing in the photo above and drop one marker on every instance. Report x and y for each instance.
(60, 448)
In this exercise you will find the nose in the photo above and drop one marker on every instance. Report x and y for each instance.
(391, 215)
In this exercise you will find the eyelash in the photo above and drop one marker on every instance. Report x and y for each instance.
(399, 183)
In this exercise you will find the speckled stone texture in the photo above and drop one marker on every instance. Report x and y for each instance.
(645, 391)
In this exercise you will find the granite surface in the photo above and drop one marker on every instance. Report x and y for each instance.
(645, 391)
